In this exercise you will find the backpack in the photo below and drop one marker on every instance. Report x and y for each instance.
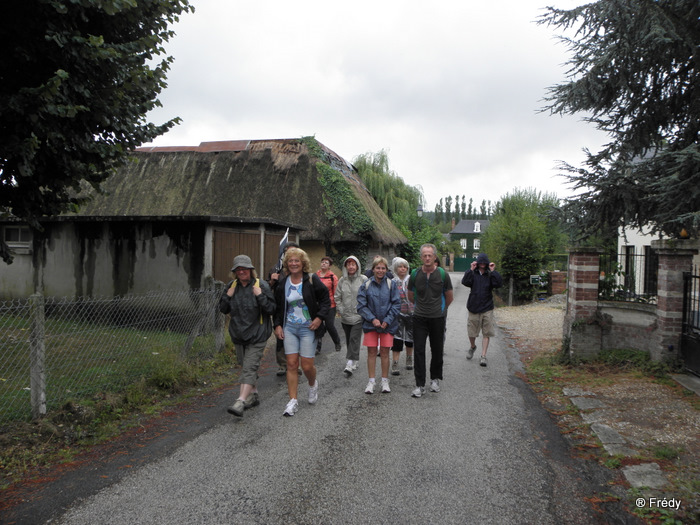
(442, 278)
(233, 285)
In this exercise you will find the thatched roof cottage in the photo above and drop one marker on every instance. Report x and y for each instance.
(175, 215)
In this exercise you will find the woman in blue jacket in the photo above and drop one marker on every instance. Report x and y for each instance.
(378, 302)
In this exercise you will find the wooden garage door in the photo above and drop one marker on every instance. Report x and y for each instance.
(228, 244)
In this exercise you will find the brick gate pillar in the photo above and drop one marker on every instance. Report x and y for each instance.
(675, 257)
(582, 333)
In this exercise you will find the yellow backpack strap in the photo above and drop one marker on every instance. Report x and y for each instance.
(257, 283)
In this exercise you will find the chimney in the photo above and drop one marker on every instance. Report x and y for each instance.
(453, 223)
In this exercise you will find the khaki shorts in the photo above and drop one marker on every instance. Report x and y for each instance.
(481, 322)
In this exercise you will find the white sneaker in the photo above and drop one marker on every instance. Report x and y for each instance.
(369, 389)
(435, 385)
(291, 408)
(385, 386)
(348, 370)
(418, 391)
(355, 364)
(313, 393)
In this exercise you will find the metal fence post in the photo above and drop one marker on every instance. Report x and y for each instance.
(510, 292)
(219, 318)
(37, 373)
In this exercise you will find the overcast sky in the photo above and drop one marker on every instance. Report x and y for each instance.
(451, 89)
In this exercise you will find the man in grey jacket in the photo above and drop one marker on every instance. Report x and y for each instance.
(346, 304)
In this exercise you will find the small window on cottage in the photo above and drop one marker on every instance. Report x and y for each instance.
(17, 235)
(477, 227)
(477, 244)
(463, 243)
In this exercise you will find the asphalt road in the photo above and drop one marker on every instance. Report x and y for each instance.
(480, 451)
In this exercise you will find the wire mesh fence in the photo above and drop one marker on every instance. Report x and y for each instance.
(56, 349)
(629, 277)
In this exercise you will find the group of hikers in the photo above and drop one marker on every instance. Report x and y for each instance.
(384, 309)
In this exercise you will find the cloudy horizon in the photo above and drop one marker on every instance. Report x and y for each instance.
(452, 92)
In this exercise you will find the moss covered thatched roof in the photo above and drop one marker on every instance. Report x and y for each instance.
(275, 180)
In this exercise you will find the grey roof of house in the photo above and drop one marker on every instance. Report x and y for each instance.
(467, 226)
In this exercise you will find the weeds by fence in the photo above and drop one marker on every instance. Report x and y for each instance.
(55, 350)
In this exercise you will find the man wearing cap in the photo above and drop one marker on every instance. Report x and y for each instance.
(250, 303)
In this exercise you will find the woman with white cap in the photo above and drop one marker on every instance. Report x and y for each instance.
(250, 303)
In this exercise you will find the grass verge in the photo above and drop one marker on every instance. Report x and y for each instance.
(86, 421)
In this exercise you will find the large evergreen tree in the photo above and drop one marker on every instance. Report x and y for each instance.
(76, 82)
(635, 74)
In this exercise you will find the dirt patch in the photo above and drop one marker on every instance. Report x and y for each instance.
(658, 419)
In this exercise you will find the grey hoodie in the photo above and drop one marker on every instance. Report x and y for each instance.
(346, 294)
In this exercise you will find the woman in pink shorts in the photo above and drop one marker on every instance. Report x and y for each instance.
(379, 303)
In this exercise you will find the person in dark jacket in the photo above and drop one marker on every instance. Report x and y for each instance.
(302, 305)
(482, 278)
(250, 303)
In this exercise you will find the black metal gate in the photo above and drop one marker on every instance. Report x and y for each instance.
(690, 340)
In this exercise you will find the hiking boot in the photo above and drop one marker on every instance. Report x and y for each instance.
(282, 371)
(435, 385)
(482, 361)
(409, 362)
(470, 352)
(252, 400)
(418, 391)
(369, 389)
(385, 386)
(395, 368)
(291, 408)
(237, 408)
(337, 347)
(313, 393)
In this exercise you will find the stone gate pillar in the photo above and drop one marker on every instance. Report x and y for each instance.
(675, 257)
(580, 329)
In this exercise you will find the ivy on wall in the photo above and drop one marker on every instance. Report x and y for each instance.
(341, 203)
(314, 148)
(343, 208)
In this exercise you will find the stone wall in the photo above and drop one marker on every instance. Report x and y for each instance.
(556, 283)
(591, 325)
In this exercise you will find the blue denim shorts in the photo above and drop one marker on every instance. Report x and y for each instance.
(300, 340)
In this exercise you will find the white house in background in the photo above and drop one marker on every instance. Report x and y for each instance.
(638, 242)
(638, 262)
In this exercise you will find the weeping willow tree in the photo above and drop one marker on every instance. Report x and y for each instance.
(391, 193)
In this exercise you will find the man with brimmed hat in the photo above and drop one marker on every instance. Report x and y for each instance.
(250, 303)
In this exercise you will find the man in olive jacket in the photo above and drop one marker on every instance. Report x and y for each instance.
(250, 303)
